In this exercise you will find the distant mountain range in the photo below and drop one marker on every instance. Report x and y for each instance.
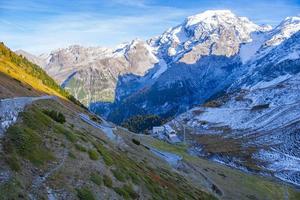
(230, 82)
(169, 74)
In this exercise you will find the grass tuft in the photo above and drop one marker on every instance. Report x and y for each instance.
(28, 144)
(85, 194)
(126, 192)
(13, 162)
(93, 155)
(119, 175)
(96, 178)
(105, 154)
(107, 181)
(11, 190)
(80, 147)
(72, 155)
(56, 116)
(68, 134)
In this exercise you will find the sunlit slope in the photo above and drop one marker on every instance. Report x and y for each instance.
(23, 70)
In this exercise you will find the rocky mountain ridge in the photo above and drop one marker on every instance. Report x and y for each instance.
(186, 43)
(185, 66)
(183, 85)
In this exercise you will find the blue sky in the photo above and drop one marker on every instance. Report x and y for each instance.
(39, 26)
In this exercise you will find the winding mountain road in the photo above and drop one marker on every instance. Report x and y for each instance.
(105, 127)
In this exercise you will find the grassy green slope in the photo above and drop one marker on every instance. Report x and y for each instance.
(86, 165)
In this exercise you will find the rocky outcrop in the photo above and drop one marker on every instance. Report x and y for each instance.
(10, 109)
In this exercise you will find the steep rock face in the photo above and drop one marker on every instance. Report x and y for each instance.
(140, 57)
(63, 62)
(91, 84)
(90, 74)
(173, 92)
(263, 42)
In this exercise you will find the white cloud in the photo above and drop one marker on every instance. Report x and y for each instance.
(90, 29)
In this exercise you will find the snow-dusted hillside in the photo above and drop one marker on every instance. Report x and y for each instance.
(265, 117)
(280, 61)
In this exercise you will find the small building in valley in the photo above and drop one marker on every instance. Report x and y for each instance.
(165, 132)
(173, 138)
(169, 130)
(158, 129)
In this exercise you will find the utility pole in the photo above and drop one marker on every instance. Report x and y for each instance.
(183, 127)
(184, 141)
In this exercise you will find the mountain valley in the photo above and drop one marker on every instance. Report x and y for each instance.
(227, 86)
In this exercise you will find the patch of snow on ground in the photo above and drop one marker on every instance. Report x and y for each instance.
(225, 116)
(292, 56)
(162, 68)
(273, 82)
(279, 161)
(243, 118)
(152, 52)
(285, 167)
(248, 50)
(180, 35)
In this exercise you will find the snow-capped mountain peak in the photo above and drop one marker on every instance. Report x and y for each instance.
(212, 20)
(213, 32)
(284, 30)
(291, 20)
(209, 16)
